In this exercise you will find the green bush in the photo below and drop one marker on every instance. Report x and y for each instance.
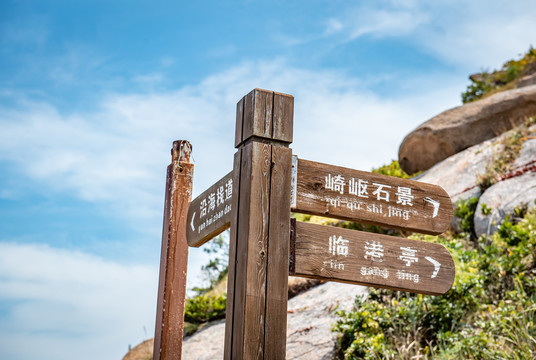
(489, 313)
(465, 211)
(488, 83)
(393, 169)
(203, 308)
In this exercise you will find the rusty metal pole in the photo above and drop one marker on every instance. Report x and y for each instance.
(174, 255)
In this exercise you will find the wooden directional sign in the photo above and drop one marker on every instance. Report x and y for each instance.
(354, 195)
(356, 257)
(209, 214)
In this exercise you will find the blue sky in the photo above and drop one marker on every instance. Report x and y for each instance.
(92, 94)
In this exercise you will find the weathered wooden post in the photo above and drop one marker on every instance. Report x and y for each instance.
(174, 255)
(256, 320)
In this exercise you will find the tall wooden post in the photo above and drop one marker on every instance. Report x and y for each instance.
(256, 320)
(174, 255)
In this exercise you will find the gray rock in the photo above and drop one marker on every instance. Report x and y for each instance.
(462, 127)
(502, 198)
(527, 80)
(518, 186)
(310, 317)
(206, 344)
(459, 174)
(527, 155)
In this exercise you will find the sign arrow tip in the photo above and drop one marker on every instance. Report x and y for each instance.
(192, 222)
(437, 265)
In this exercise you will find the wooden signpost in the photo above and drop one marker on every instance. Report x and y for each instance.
(209, 214)
(266, 245)
(362, 258)
(370, 198)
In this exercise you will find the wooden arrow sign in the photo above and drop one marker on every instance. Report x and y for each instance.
(209, 214)
(346, 194)
(356, 257)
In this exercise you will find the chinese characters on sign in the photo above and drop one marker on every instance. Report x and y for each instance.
(373, 250)
(369, 259)
(210, 213)
(210, 207)
(400, 197)
(337, 247)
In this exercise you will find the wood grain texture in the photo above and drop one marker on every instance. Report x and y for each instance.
(278, 250)
(377, 199)
(239, 122)
(231, 278)
(174, 258)
(204, 222)
(283, 117)
(242, 246)
(258, 106)
(336, 254)
(257, 238)
(266, 115)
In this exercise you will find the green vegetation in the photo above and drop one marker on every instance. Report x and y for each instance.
(216, 269)
(490, 312)
(210, 301)
(465, 211)
(203, 308)
(486, 83)
(502, 160)
(393, 169)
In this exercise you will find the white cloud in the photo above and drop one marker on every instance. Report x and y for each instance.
(60, 304)
(472, 35)
(116, 155)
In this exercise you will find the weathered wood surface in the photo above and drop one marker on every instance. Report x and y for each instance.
(233, 256)
(370, 198)
(174, 256)
(272, 113)
(258, 270)
(209, 214)
(277, 251)
(335, 254)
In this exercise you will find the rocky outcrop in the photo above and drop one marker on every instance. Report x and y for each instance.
(527, 81)
(462, 127)
(460, 175)
(517, 189)
(501, 199)
(309, 335)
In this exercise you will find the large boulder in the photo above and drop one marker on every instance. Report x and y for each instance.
(459, 128)
(459, 175)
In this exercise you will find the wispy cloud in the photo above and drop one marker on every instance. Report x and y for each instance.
(29, 31)
(469, 34)
(116, 155)
(69, 304)
(379, 22)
